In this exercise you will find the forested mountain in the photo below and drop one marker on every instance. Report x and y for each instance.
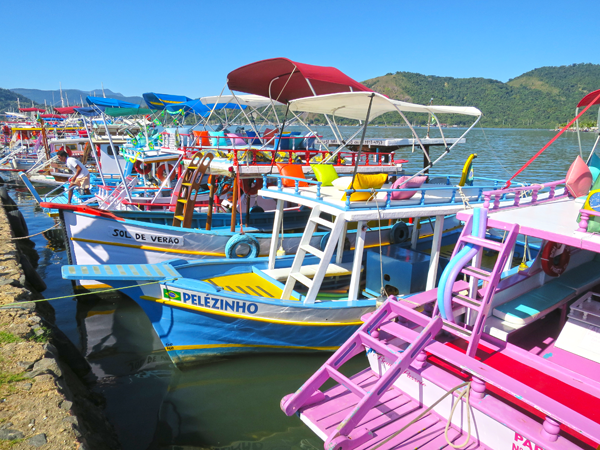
(71, 96)
(8, 101)
(541, 98)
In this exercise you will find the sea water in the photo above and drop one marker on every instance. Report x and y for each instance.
(233, 402)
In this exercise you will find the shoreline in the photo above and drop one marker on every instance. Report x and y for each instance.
(44, 401)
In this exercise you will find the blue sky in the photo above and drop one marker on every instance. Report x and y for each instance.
(188, 47)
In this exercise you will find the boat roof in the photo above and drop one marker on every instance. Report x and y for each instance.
(283, 79)
(555, 221)
(354, 105)
(159, 101)
(590, 99)
(109, 102)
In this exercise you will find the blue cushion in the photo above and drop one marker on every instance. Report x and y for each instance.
(594, 165)
(581, 277)
(214, 141)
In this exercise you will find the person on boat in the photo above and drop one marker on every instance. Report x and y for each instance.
(81, 177)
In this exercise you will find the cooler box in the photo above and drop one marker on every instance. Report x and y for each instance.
(403, 268)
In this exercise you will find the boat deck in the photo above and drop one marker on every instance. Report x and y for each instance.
(394, 411)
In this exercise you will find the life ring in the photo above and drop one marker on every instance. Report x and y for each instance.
(554, 264)
(164, 170)
(251, 186)
(399, 233)
(142, 168)
(242, 239)
(325, 239)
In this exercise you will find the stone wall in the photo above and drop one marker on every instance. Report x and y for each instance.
(44, 401)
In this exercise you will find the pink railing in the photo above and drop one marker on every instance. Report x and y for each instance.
(523, 196)
(585, 218)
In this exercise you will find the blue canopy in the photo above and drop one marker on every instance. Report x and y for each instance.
(89, 111)
(109, 102)
(226, 106)
(159, 101)
(191, 106)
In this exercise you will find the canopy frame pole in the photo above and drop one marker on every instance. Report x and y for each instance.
(338, 138)
(116, 155)
(247, 118)
(362, 140)
(89, 134)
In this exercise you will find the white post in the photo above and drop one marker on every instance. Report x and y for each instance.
(509, 261)
(341, 241)
(361, 231)
(275, 237)
(414, 238)
(435, 252)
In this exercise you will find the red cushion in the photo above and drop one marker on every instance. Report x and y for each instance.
(291, 170)
(579, 178)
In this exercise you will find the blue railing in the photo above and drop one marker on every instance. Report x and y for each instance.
(454, 198)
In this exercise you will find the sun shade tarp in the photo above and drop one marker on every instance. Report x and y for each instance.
(159, 101)
(354, 105)
(89, 111)
(109, 102)
(288, 80)
(253, 101)
(32, 110)
(189, 107)
(65, 110)
(120, 112)
(589, 99)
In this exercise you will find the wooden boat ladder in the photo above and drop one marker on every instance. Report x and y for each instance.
(190, 184)
(479, 299)
(324, 255)
(388, 318)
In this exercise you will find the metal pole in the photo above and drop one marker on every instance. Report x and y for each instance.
(362, 140)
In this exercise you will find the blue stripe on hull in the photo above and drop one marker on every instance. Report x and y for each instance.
(188, 334)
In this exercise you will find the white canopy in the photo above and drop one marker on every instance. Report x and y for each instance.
(251, 100)
(354, 105)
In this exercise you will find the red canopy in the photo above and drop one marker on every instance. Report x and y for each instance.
(31, 110)
(290, 80)
(65, 110)
(589, 99)
(52, 116)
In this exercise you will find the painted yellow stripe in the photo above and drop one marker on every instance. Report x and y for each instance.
(148, 247)
(86, 287)
(194, 347)
(239, 316)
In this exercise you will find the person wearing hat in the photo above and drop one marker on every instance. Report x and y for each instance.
(81, 177)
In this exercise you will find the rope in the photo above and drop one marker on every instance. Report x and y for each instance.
(462, 394)
(32, 235)
(89, 293)
(464, 198)
(382, 291)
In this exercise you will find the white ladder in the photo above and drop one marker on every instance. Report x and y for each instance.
(324, 255)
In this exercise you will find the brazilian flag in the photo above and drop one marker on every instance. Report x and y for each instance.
(171, 295)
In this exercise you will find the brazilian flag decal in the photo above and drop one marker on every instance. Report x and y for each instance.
(171, 295)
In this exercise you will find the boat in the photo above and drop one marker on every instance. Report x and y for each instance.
(311, 300)
(506, 359)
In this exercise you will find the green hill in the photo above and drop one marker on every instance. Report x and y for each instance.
(8, 101)
(541, 98)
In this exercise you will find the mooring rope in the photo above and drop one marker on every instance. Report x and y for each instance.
(32, 235)
(87, 293)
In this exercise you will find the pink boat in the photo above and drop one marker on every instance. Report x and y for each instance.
(506, 359)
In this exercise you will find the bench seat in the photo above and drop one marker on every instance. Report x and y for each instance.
(540, 301)
(333, 270)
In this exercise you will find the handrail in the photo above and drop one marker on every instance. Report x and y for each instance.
(423, 190)
(521, 192)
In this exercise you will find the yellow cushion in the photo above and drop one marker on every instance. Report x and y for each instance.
(366, 181)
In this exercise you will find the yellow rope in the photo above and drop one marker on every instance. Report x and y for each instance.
(90, 293)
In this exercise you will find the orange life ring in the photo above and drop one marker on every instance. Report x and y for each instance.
(251, 186)
(553, 263)
(164, 170)
(142, 168)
